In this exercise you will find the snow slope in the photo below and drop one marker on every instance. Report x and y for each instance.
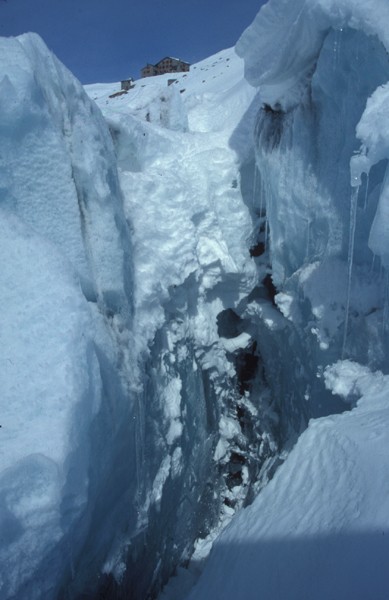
(320, 529)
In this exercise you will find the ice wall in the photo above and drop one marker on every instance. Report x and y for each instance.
(322, 164)
(66, 300)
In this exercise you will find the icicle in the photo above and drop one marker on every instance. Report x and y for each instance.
(366, 192)
(350, 259)
(254, 185)
(337, 47)
(266, 232)
(335, 55)
(262, 192)
(308, 240)
(267, 227)
(139, 452)
(385, 312)
(372, 263)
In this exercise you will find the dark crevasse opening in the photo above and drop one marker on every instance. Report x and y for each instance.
(203, 461)
(207, 439)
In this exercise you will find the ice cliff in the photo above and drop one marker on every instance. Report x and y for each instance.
(66, 296)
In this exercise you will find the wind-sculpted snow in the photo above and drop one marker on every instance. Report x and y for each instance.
(48, 127)
(282, 62)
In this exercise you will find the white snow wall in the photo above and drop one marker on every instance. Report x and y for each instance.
(317, 64)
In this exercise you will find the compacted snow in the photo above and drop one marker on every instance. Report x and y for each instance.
(195, 307)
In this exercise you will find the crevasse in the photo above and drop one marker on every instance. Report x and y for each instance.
(130, 424)
(181, 279)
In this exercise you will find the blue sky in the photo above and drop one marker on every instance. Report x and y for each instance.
(108, 40)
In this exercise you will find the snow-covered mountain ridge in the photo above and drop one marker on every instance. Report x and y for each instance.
(191, 273)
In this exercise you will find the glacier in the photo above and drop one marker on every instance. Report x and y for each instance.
(194, 331)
